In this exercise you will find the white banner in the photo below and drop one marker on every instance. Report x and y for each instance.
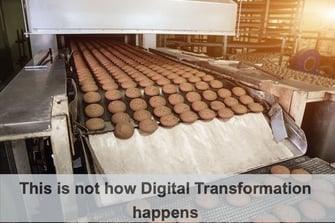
(170, 198)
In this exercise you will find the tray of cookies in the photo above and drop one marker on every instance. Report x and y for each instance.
(123, 88)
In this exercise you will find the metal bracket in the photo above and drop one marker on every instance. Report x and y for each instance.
(61, 139)
(277, 122)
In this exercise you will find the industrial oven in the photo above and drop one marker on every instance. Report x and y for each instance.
(135, 26)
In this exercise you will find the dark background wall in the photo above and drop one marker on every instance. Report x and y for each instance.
(11, 23)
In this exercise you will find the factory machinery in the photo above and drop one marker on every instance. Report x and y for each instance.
(125, 106)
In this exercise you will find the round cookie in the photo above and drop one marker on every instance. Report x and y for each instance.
(194, 79)
(223, 93)
(179, 80)
(89, 87)
(163, 81)
(146, 82)
(141, 115)
(109, 86)
(209, 95)
(133, 93)
(185, 87)
(123, 78)
(94, 124)
(187, 75)
(87, 81)
(246, 99)
(325, 198)
(320, 184)
(312, 210)
(201, 86)
(140, 77)
(193, 96)
(256, 107)
(188, 116)
(175, 99)
(225, 113)
(216, 105)
(156, 77)
(128, 84)
(273, 180)
(238, 200)
(199, 105)
(181, 107)
(287, 213)
(151, 91)
(137, 104)
(230, 101)
(169, 89)
(239, 109)
(169, 120)
(162, 111)
(199, 73)
(207, 114)
(91, 97)
(148, 125)
(216, 84)
(299, 171)
(238, 91)
(264, 218)
(117, 106)
(123, 130)
(112, 95)
(207, 78)
(107, 80)
(301, 175)
(156, 101)
(180, 72)
(94, 110)
(120, 117)
(149, 73)
(280, 169)
(172, 76)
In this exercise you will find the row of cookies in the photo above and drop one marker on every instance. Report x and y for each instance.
(118, 107)
(200, 85)
(171, 77)
(264, 59)
(123, 127)
(137, 106)
(210, 79)
(91, 97)
(184, 86)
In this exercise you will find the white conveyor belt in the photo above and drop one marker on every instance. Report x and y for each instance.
(239, 144)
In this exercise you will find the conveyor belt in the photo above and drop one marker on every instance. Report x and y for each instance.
(245, 214)
(179, 148)
(264, 61)
(312, 165)
(115, 58)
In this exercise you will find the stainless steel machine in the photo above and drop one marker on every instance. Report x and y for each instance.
(36, 101)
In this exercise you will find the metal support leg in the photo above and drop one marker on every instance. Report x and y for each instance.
(225, 46)
(149, 41)
(282, 50)
(60, 138)
(165, 40)
(21, 156)
(61, 148)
